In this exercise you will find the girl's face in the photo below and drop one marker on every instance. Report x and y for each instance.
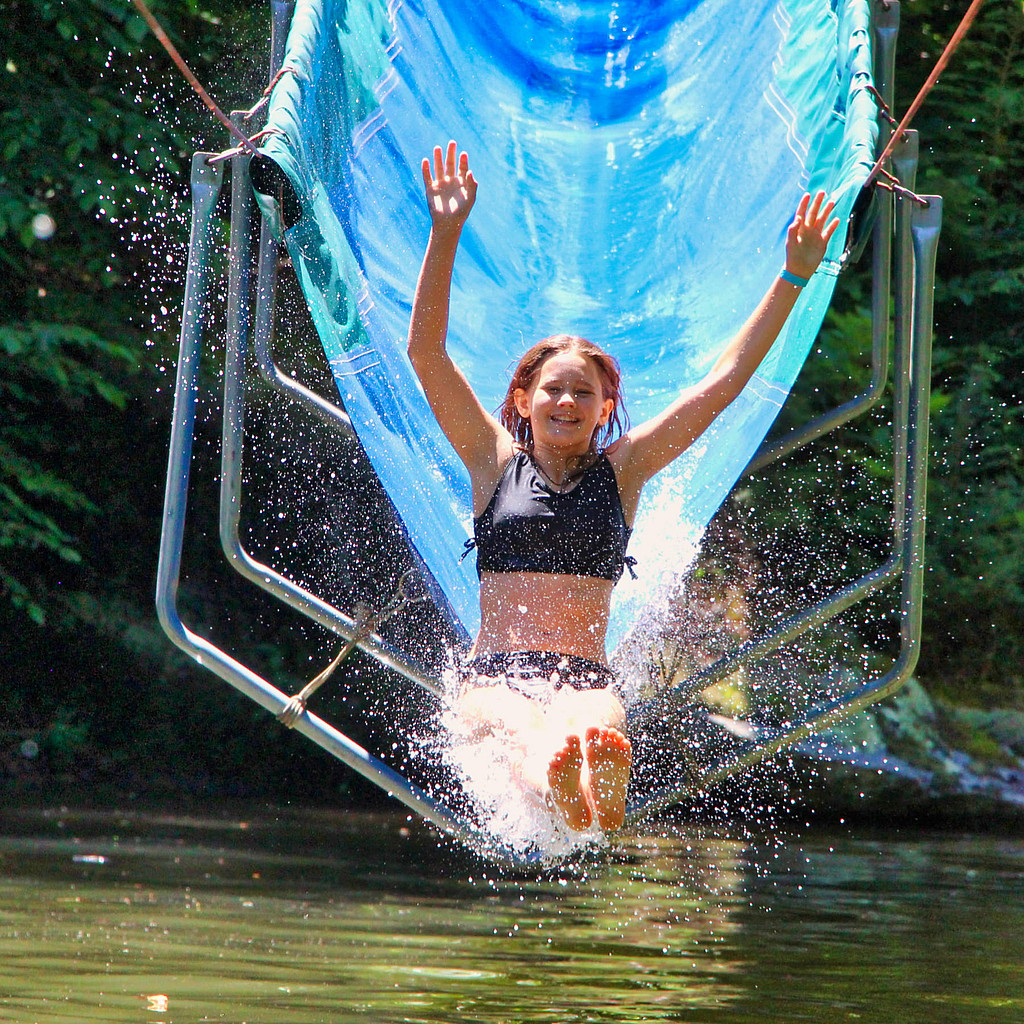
(565, 404)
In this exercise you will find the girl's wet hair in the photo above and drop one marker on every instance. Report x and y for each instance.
(528, 368)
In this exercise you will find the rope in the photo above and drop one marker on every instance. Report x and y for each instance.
(366, 620)
(227, 154)
(286, 69)
(940, 66)
(161, 35)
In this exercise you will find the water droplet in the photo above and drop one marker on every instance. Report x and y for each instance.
(43, 226)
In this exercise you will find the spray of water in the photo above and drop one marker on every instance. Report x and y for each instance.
(489, 769)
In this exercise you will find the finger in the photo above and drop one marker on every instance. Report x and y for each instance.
(449, 160)
(830, 229)
(471, 184)
(801, 208)
(428, 181)
(815, 206)
(438, 164)
(826, 212)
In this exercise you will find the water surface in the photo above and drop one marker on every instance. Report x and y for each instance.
(319, 918)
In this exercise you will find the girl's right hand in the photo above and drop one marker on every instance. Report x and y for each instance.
(451, 189)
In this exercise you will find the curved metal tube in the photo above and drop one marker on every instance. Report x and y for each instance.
(206, 183)
(905, 161)
(885, 19)
(789, 629)
(924, 226)
(769, 742)
(266, 280)
(231, 453)
(926, 223)
(266, 275)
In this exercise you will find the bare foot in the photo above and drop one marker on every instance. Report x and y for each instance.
(564, 780)
(609, 756)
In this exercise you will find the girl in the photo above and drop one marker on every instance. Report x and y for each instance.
(556, 481)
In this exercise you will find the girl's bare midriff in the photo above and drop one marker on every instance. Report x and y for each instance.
(537, 611)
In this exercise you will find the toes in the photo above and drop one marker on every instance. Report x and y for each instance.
(571, 755)
(607, 742)
(564, 782)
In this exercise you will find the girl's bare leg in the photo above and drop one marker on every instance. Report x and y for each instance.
(571, 751)
(494, 710)
(520, 724)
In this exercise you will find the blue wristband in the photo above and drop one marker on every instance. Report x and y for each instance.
(793, 279)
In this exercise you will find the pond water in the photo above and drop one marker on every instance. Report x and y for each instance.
(302, 918)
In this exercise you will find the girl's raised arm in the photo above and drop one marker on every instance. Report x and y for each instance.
(451, 192)
(651, 446)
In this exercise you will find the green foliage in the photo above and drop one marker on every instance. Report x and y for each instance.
(69, 121)
(87, 161)
(96, 130)
(45, 361)
(62, 333)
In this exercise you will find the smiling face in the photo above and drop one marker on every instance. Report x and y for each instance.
(565, 402)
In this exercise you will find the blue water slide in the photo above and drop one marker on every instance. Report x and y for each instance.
(638, 160)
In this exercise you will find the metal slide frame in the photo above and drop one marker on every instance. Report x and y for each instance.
(908, 277)
(240, 260)
(206, 184)
(916, 228)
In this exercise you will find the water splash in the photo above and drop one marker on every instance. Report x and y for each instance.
(510, 812)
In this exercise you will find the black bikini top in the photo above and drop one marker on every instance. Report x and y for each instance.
(528, 526)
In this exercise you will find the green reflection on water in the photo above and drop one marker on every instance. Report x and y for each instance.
(316, 918)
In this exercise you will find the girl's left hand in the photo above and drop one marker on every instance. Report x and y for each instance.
(809, 233)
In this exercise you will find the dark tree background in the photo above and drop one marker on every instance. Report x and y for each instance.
(96, 132)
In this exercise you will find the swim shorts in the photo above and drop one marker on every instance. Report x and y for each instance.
(536, 674)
